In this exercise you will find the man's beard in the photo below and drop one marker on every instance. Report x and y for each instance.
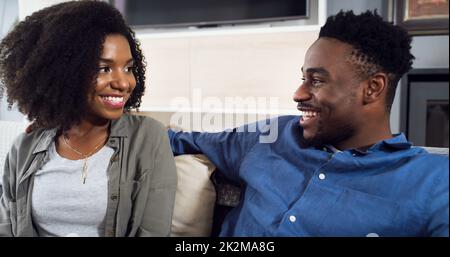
(333, 137)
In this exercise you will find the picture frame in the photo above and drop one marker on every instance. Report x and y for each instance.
(420, 89)
(422, 17)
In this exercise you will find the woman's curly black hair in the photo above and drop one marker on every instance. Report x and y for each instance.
(378, 46)
(49, 61)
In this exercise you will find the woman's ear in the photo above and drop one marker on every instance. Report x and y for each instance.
(375, 89)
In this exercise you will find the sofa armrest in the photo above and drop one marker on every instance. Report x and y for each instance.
(195, 197)
(203, 198)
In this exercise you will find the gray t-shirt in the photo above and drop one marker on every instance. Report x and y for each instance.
(62, 205)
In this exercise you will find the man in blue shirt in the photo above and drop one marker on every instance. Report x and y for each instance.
(336, 170)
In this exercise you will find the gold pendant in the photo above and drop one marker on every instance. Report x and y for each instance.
(84, 173)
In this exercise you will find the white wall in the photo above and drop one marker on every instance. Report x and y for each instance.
(213, 66)
(244, 65)
(9, 11)
(358, 6)
(27, 7)
(430, 51)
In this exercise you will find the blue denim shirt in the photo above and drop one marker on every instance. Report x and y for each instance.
(392, 189)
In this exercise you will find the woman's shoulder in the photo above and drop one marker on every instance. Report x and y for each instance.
(140, 120)
(140, 123)
(27, 141)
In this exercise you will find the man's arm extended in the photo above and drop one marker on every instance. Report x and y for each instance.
(225, 149)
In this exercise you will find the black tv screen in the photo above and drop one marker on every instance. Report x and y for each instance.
(172, 13)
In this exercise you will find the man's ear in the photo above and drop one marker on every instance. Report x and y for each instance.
(375, 88)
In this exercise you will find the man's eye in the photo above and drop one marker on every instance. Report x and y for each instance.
(312, 81)
(316, 82)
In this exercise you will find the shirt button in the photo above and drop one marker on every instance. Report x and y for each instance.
(321, 176)
(292, 218)
(113, 197)
(372, 235)
(354, 155)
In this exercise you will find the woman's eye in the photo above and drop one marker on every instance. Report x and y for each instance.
(129, 69)
(104, 69)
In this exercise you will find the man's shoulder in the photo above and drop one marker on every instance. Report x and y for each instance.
(429, 162)
(280, 122)
(427, 154)
(287, 120)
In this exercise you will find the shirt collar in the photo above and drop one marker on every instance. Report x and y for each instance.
(118, 129)
(45, 141)
(332, 149)
(119, 126)
(398, 141)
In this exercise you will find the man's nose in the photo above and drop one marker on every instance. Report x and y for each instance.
(302, 93)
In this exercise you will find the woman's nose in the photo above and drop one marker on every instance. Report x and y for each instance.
(120, 82)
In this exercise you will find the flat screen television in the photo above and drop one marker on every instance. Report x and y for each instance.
(204, 13)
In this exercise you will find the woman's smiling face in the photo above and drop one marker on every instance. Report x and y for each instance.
(115, 80)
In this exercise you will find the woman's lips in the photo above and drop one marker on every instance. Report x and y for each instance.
(113, 101)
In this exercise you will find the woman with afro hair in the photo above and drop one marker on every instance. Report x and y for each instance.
(88, 168)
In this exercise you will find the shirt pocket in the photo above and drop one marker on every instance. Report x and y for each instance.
(356, 213)
(128, 192)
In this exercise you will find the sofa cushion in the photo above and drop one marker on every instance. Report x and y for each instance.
(195, 197)
(437, 150)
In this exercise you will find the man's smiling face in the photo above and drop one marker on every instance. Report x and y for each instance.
(330, 95)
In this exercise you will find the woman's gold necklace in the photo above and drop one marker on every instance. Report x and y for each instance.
(84, 156)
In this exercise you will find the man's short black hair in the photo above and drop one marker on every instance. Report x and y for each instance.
(378, 45)
(49, 61)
